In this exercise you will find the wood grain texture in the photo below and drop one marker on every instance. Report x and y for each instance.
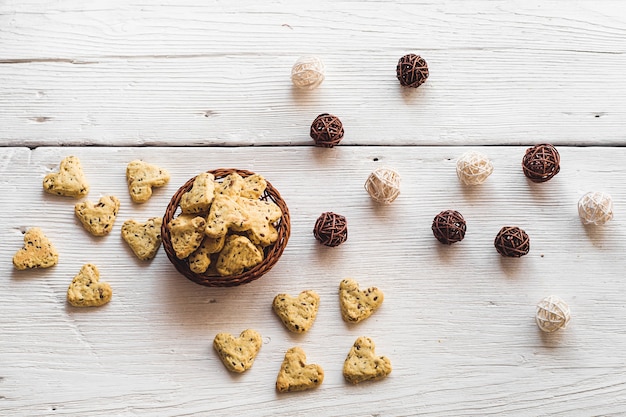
(457, 322)
(216, 73)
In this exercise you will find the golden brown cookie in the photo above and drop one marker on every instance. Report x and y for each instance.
(296, 375)
(362, 364)
(141, 177)
(253, 187)
(231, 185)
(225, 213)
(86, 290)
(199, 198)
(70, 181)
(357, 305)
(261, 215)
(37, 252)
(297, 313)
(238, 254)
(98, 218)
(186, 232)
(143, 238)
(238, 353)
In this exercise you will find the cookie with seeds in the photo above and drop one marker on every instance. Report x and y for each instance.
(37, 252)
(253, 187)
(297, 313)
(142, 177)
(238, 353)
(187, 232)
(356, 304)
(70, 181)
(199, 198)
(362, 364)
(143, 238)
(261, 216)
(98, 218)
(225, 214)
(296, 375)
(231, 185)
(238, 254)
(86, 290)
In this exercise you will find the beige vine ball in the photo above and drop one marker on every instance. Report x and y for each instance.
(86, 290)
(70, 181)
(37, 252)
(142, 177)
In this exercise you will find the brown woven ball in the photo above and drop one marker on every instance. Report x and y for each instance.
(541, 162)
(512, 241)
(449, 227)
(327, 130)
(412, 70)
(331, 229)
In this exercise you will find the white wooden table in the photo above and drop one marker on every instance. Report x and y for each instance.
(200, 85)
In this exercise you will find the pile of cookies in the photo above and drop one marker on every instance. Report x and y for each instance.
(98, 219)
(298, 315)
(224, 224)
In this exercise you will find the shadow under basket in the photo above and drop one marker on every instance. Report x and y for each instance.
(210, 278)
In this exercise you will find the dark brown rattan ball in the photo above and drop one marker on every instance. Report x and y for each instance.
(412, 70)
(512, 241)
(331, 229)
(327, 130)
(211, 278)
(449, 227)
(541, 162)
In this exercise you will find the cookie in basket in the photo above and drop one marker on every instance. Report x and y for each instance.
(199, 198)
(187, 232)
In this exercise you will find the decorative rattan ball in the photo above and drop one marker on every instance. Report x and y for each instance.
(473, 168)
(552, 314)
(512, 241)
(327, 130)
(449, 227)
(308, 72)
(383, 185)
(595, 208)
(412, 70)
(331, 229)
(541, 162)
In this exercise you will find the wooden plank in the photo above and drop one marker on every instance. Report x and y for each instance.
(457, 322)
(128, 74)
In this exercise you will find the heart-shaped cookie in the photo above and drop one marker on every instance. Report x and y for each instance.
(357, 305)
(238, 254)
(141, 177)
(70, 181)
(362, 364)
(37, 252)
(297, 313)
(143, 238)
(86, 290)
(238, 353)
(296, 375)
(98, 218)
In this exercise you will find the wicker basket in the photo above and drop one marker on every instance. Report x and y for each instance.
(210, 278)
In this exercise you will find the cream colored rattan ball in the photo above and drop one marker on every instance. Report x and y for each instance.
(552, 314)
(595, 208)
(383, 185)
(308, 72)
(473, 168)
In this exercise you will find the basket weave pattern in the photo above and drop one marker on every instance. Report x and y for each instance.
(210, 278)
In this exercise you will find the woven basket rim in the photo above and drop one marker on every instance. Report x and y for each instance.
(271, 253)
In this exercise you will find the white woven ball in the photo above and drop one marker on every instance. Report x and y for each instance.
(308, 72)
(473, 168)
(552, 314)
(595, 208)
(383, 185)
